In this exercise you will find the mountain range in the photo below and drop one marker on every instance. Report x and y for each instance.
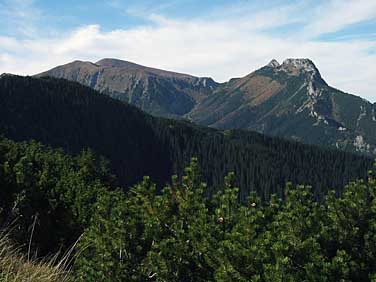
(289, 100)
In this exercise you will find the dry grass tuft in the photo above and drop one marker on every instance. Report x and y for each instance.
(15, 267)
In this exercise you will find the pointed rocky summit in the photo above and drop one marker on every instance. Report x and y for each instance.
(273, 64)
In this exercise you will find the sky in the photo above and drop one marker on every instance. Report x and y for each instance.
(216, 38)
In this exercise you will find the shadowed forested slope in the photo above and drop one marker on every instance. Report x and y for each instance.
(68, 115)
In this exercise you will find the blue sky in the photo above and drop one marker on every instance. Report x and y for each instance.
(217, 38)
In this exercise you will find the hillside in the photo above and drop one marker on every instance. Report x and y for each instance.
(289, 100)
(65, 114)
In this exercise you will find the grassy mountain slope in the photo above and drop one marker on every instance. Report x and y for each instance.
(292, 101)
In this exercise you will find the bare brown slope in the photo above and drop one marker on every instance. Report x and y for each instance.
(155, 91)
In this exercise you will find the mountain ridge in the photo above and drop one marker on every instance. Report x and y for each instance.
(290, 100)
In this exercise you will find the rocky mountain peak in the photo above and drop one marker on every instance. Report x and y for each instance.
(273, 64)
(305, 65)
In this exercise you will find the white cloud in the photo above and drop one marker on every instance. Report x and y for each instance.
(221, 48)
(337, 14)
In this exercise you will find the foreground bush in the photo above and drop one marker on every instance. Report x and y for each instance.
(180, 235)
